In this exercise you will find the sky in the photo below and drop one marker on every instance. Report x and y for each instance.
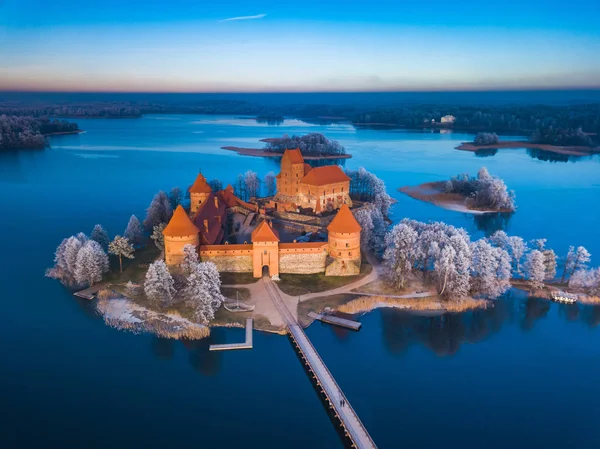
(299, 46)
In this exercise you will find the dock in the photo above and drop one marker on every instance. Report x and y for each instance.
(353, 429)
(337, 321)
(232, 346)
(89, 293)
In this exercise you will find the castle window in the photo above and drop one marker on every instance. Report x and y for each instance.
(339, 254)
(342, 189)
(347, 245)
(349, 253)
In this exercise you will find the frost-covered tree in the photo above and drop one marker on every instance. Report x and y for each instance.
(588, 279)
(91, 263)
(577, 259)
(159, 284)
(483, 191)
(399, 256)
(518, 248)
(61, 269)
(486, 139)
(539, 244)
(490, 269)
(159, 211)
(190, 259)
(100, 235)
(203, 291)
(158, 236)
(270, 183)
(121, 247)
(379, 230)
(71, 250)
(365, 186)
(535, 270)
(175, 197)
(251, 184)
(363, 217)
(549, 264)
(215, 184)
(500, 240)
(134, 232)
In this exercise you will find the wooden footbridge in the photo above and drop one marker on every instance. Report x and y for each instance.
(354, 430)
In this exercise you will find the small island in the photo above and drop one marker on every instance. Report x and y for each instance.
(27, 132)
(463, 193)
(314, 146)
(562, 141)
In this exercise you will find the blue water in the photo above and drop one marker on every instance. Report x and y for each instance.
(522, 375)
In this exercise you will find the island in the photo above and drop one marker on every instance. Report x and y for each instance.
(321, 246)
(565, 142)
(314, 146)
(475, 195)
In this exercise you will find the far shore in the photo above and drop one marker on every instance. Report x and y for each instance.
(432, 192)
(263, 153)
(514, 144)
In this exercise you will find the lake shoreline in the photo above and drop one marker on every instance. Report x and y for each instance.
(64, 133)
(517, 144)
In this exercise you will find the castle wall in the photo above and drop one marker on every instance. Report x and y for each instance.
(302, 258)
(228, 258)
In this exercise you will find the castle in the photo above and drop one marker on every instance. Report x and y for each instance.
(298, 186)
(301, 186)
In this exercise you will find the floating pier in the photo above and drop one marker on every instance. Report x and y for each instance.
(231, 346)
(89, 293)
(337, 321)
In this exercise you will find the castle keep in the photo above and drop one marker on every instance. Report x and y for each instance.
(301, 186)
(298, 186)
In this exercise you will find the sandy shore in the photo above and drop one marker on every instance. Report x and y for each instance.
(431, 192)
(569, 151)
(262, 153)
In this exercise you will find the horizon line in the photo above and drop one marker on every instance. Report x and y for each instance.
(491, 89)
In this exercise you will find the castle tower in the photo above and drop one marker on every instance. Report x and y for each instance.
(179, 232)
(199, 192)
(265, 245)
(292, 172)
(344, 244)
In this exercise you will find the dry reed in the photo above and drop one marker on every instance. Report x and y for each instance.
(430, 304)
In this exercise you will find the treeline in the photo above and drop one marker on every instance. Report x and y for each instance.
(28, 132)
(562, 137)
(504, 119)
(312, 144)
(444, 257)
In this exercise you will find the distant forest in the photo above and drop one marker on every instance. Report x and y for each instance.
(578, 124)
(18, 131)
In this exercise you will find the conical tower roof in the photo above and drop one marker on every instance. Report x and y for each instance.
(264, 233)
(180, 224)
(200, 185)
(344, 222)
